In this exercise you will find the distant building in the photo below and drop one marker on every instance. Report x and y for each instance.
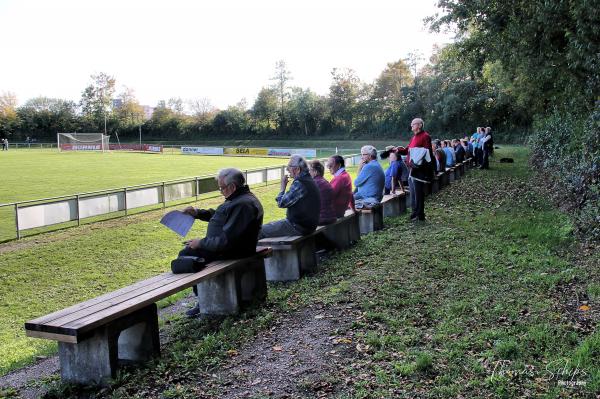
(148, 111)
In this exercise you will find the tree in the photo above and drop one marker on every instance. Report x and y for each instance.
(306, 110)
(96, 101)
(130, 113)
(9, 120)
(343, 96)
(281, 78)
(265, 107)
(44, 117)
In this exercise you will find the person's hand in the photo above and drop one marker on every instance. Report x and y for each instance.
(284, 182)
(193, 244)
(190, 210)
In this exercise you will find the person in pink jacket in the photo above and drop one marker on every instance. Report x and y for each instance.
(341, 184)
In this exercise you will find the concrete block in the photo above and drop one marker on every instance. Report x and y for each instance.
(219, 295)
(391, 205)
(290, 263)
(450, 173)
(372, 220)
(94, 360)
(435, 185)
(252, 282)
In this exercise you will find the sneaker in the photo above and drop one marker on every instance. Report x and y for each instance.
(193, 312)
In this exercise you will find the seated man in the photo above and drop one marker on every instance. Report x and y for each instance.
(302, 201)
(233, 228)
(370, 180)
(327, 214)
(459, 151)
(440, 156)
(450, 157)
(341, 183)
(394, 172)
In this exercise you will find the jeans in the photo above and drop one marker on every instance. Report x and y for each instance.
(278, 228)
(417, 198)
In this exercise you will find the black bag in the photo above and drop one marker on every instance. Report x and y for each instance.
(187, 264)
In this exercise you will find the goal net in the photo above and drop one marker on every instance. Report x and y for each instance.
(82, 142)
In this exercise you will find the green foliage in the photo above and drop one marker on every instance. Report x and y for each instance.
(566, 147)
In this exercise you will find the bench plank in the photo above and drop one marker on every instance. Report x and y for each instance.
(76, 320)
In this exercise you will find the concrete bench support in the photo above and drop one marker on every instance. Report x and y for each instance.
(290, 260)
(371, 219)
(435, 185)
(131, 338)
(391, 205)
(451, 175)
(343, 233)
(225, 294)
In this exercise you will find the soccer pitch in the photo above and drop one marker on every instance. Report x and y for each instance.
(35, 174)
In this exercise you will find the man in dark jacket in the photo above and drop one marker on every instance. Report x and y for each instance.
(302, 201)
(233, 228)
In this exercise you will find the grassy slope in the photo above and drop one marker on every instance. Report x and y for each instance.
(482, 283)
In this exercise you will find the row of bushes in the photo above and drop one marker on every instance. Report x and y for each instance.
(566, 149)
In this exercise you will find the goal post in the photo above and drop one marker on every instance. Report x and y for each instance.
(82, 142)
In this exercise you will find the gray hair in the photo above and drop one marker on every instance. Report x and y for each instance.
(369, 149)
(299, 162)
(418, 120)
(232, 175)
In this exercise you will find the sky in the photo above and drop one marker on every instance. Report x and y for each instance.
(223, 50)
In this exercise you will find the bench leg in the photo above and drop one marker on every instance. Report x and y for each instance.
(252, 281)
(283, 265)
(339, 235)
(219, 295)
(435, 186)
(391, 207)
(95, 360)
(370, 222)
(354, 230)
(308, 256)
(403, 206)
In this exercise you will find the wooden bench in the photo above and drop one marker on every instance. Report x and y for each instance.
(451, 174)
(370, 219)
(344, 232)
(122, 326)
(394, 204)
(293, 256)
(436, 183)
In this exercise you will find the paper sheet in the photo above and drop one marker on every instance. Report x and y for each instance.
(179, 222)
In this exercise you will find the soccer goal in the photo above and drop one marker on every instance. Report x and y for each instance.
(82, 141)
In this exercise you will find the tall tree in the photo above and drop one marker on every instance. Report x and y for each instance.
(343, 96)
(9, 120)
(281, 78)
(96, 101)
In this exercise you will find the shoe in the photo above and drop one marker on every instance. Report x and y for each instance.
(193, 312)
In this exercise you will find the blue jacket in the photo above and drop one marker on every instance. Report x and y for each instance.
(370, 181)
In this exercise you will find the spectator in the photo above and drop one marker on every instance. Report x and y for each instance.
(487, 145)
(440, 156)
(302, 201)
(421, 166)
(370, 180)
(327, 214)
(459, 151)
(233, 228)
(393, 174)
(450, 161)
(341, 183)
(477, 151)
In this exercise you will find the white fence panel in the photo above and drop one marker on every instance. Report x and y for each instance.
(47, 214)
(273, 174)
(255, 177)
(100, 205)
(179, 190)
(143, 197)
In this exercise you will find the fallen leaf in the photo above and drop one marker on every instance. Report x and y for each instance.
(232, 352)
(584, 308)
(277, 348)
(342, 341)
(319, 316)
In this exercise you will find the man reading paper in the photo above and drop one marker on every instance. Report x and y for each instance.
(232, 228)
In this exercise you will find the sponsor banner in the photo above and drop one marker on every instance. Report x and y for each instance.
(245, 151)
(136, 147)
(285, 152)
(202, 150)
(153, 148)
(81, 147)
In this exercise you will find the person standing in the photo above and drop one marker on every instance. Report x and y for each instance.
(420, 162)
